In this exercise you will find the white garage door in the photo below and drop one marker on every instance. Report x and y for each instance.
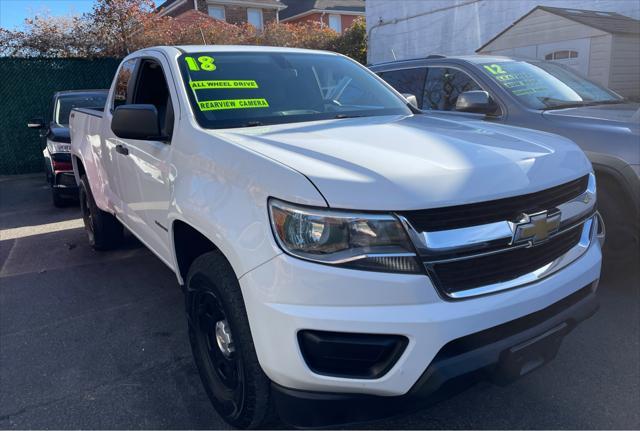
(574, 53)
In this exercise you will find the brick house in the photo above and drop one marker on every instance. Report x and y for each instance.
(255, 12)
(337, 14)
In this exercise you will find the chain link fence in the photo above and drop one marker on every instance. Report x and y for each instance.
(26, 88)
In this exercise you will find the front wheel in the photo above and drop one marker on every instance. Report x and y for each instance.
(105, 232)
(222, 345)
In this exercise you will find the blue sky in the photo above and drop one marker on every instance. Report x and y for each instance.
(13, 12)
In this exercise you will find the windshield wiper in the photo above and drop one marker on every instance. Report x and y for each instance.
(564, 106)
(252, 124)
(341, 116)
(576, 104)
(607, 102)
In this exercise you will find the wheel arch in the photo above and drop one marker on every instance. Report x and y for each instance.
(78, 168)
(188, 243)
(616, 171)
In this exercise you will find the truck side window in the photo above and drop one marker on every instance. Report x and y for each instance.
(121, 92)
(443, 87)
(407, 81)
(151, 89)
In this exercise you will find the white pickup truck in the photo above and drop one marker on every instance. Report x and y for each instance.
(343, 256)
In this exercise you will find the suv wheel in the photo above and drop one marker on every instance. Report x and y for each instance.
(622, 242)
(222, 345)
(105, 232)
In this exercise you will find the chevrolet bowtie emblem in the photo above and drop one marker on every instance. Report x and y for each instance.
(536, 227)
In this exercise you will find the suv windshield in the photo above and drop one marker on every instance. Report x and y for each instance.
(238, 89)
(66, 103)
(545, 85)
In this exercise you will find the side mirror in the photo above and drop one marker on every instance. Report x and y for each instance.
(36, 123)
(136, 122)
(476, 101)
(412, 99)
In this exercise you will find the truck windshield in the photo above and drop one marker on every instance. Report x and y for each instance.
(253, 88)
(65, 103)
(545, 85)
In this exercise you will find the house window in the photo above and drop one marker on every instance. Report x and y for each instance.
(561, 55)
(254, 17)
(335, 23)
(217, 12)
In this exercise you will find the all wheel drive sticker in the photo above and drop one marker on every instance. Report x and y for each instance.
(207, 63)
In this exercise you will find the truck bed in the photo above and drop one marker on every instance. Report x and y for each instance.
(96, 112)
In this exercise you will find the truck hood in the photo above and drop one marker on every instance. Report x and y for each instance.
(414, 162)
(623, 114)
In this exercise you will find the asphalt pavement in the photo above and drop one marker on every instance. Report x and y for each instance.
(98, 341)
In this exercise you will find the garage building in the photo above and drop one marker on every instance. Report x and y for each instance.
(604, 46)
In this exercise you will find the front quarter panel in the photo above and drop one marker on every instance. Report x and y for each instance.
(221, 190)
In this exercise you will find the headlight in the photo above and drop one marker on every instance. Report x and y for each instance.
(374, 242)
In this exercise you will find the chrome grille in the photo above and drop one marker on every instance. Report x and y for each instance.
(464, 274)
(460, 216)
(466, 259)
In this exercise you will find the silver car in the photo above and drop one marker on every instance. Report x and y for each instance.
(544, 96)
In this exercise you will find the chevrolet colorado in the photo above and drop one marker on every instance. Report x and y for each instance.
(343, 256)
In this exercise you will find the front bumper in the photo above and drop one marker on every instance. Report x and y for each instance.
(502, 354)
(64, 182)
(286, 295)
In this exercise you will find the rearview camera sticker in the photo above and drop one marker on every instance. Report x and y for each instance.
(216, 105)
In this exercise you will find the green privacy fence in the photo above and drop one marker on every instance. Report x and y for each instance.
(26, 87)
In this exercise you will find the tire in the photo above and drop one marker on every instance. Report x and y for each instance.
(58, 201)
(104, 231)
(621, 224)
(230, 373)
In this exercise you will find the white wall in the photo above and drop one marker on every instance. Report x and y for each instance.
(600, 59)
(417, 28)
(625, 65)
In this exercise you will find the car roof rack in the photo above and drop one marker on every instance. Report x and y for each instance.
(428, 57)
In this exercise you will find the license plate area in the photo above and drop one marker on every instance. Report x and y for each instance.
(530, 355)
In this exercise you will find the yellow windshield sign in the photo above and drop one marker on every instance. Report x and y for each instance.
(223, 83)
(216, 105)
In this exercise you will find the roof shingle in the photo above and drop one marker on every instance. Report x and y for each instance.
(611, 22)
(297, 7)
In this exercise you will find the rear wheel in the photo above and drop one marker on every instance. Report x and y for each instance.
(105, 232)
(222, 345)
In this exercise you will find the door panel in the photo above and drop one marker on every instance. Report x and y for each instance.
(109, 158)
(146, 171)
(146, 191)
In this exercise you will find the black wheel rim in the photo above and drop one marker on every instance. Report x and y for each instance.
(223, 371)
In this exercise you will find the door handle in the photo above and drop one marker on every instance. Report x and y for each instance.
(122, 150)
